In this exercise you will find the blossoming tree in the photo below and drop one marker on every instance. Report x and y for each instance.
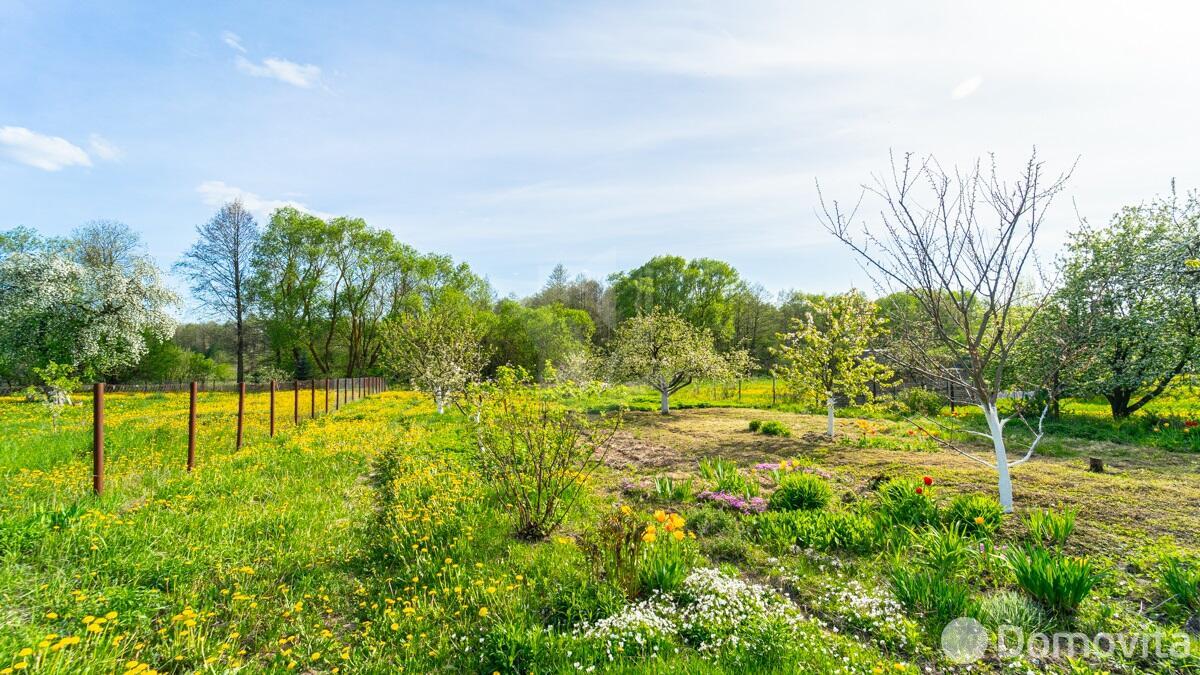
(438, 349)
(662, 350)
(827, 353)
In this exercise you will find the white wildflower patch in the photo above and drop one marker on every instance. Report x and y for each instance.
(721, 617)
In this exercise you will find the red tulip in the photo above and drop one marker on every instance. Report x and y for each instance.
(928, 480)
(920, 491)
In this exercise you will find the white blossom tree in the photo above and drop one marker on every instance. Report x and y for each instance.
(827, 352)
(664, 351)
(438, 350)
(96, 318)
(961, 244)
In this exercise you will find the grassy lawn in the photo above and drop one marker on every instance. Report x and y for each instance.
(370, 541)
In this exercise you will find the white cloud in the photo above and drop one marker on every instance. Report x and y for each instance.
(230, 38)
(50, 153)
(104, 149)
(299, 75)
(216, 193)
(966, 87)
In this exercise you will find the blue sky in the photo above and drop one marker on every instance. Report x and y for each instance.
(517, 136)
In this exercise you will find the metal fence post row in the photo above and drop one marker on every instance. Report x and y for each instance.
(191, 456)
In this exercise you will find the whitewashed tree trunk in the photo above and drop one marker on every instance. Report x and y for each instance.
(996, 429)
(666, 402)
(829, 407)
(440, 398)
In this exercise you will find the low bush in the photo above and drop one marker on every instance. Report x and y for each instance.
(908, 502)
(1050, 528)
(800, 491)
(773, 428)
(923, 401)
(978, 515)
(1056, 581)
(754, 425)
(537, 452)
(612, 548)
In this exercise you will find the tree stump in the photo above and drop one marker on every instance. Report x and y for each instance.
(1095, 465)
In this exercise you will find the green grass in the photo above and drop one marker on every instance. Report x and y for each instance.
(368, 541)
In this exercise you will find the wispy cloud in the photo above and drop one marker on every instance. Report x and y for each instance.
(966, 87)
(296, 74)
(216, 193)
(49, 153)
(303, 75)
(104, 149)
(233, 40)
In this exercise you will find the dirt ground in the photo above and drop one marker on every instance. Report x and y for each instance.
(1144, 493)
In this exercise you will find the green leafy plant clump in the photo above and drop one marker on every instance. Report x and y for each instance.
(978, 515)
(800, 491)
(1058, 582)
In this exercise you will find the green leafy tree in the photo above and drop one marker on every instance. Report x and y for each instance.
(702, 291)
(438, 349)
(827, 353)
(664, 351)
(534, 337)
(1133, 279)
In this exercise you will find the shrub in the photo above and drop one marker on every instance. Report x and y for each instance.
(907, 502)
(537, 452)
(1181, 581)
(1056, 581)
(773, 428)
(1050, 528)
(1009, 608)
(754, 425)
(923, 401)
(938, 598)
(978, 515)
(708, 522)
(800, 491)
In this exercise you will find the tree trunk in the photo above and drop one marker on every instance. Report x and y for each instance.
(1118, 403)
(1005, 482)
(665, 407)
(440, 399)
(829, 407)
(241, 349)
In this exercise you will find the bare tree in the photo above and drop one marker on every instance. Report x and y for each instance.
(961, 244)
(218, 268)
(105, 244)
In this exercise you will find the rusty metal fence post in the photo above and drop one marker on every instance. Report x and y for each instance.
(191, 456)
(327, 396)
(312, 398)
(98, 438)
(272, 408)
(295, 401)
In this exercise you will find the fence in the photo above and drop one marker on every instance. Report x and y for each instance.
(345, 390)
